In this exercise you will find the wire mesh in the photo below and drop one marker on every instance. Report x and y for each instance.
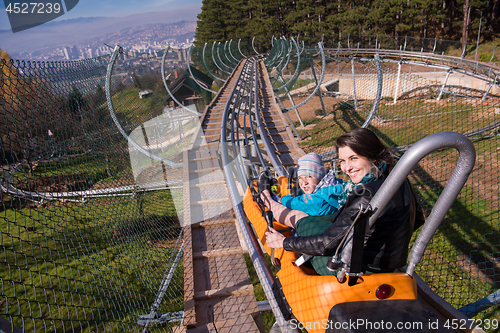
(462, 262)
(85, 246)
(90, 227)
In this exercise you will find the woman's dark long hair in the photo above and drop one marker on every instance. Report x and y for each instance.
(365, 143)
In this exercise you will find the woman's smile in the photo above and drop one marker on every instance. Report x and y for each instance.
(354, 165)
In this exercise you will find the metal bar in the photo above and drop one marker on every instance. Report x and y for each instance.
(319, 90)
(215, 62)
(239, 49)
(188, 60)
(444, 84)
(354, 85)
(208, 70)
(473, 309)
(378, 97)
(397, 83)
(319, 83)
(109, 100)
(296, 69)
(233, 65)
(168, 90)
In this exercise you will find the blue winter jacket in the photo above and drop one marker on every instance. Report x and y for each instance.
(323, 202)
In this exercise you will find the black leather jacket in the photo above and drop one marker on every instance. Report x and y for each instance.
(386, 243)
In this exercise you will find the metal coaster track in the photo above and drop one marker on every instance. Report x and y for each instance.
(242, 117)
(251, 120)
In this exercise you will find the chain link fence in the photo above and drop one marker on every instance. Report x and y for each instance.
(407, 100)
(91, 239)
(86, 246)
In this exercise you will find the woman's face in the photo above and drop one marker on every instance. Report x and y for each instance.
(354, 165)
(308, 183)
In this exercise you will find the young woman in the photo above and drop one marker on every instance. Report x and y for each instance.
(367, 162)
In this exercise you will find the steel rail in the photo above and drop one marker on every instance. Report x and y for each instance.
(288, 56)
(270, 152)
(215, 62)
(296, 69)
(233, 65)
(284, 49)
(168, 89)
(234, 120)
(109, 100)
(378, 96)
(255, 94)
(230, 53)
(275, 52)
(239, 49)
(323, 62)
(253, 45)
(188, 61)
(254, 249)
(206, 67)
(450, 61)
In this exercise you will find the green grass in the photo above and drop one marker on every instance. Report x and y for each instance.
(461, 262)
(406, 122)
(297, 84)
(454, 263)
(87, 265)
(268, 318)
(136, 110)
(307, 121)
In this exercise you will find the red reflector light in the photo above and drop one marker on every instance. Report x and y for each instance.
(383, 291)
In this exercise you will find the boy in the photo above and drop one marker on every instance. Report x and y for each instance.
(314, 200)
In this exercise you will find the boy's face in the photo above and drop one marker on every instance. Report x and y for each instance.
(308, 183)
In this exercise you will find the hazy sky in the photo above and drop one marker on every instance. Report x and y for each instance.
(111, 8)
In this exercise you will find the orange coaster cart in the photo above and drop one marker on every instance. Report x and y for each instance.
(321, 303)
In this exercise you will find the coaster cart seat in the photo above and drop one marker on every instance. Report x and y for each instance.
(320, 303)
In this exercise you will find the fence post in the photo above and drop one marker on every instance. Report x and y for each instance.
(397, 83)
(354, 85)
(319, 90)
(444, 84)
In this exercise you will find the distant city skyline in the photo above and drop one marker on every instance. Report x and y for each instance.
(112, 8)
(92, 20)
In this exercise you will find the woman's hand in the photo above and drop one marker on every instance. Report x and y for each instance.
(274, 239)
